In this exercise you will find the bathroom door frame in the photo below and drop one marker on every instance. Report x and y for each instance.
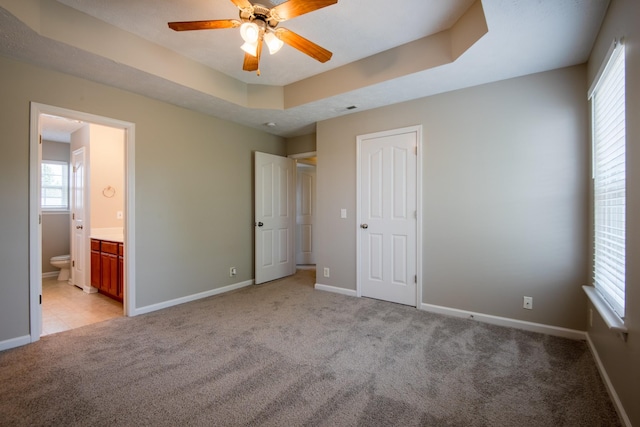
(35, 210)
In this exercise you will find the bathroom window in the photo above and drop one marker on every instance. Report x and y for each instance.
(55, 185)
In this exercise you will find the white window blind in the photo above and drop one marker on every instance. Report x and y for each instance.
(55, 185)
(608, 115)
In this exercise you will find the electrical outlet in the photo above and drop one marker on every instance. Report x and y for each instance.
(527, 303)
(233, 271)
(119, 215)
(326, 272)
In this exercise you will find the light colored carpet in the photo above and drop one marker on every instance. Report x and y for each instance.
(283, 354)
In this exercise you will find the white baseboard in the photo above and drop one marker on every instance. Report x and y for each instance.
(50, 274)
(15, 342)
(607, 382)
(505, 321)
(334, 289)
(189, 298)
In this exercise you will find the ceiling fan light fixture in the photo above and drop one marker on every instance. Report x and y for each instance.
(250, 48)
(249, 31)
(273, 43)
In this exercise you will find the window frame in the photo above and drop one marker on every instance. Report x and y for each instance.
(609, 280)
(65, 187)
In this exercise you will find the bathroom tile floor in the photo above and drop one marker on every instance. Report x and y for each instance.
(66, 307)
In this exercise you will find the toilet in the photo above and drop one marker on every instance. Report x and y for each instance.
(62, 262)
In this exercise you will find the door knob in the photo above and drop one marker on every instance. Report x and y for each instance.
(260, 224)
(79, 227)
(365, 226)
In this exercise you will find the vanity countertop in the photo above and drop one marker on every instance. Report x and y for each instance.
(118, 238)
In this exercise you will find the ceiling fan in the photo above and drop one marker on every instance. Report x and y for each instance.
(258, 24)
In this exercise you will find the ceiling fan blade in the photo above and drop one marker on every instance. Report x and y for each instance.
(293, 8)
(242, 4)
(204, 25)
(251, 63)
(303, 45)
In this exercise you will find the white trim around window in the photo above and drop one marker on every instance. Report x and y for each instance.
(608, 116)
(54, 186)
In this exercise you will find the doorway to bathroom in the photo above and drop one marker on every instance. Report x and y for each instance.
(81, 189)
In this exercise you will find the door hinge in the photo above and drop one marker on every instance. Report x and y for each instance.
(73, 216)
(416, 150)
(40, 299)
(39, 218)
(415, 279)
(73, 263)
(39, 139)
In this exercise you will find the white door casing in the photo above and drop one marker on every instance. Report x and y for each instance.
(388, 233)
(305, 212)
(35, 234)
(274, 217)
(35, 228)
(78, 224)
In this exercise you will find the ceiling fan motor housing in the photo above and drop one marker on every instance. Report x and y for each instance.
(259, 13)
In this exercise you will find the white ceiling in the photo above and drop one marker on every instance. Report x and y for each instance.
(58, 129)
(524, 37)
(351, 29)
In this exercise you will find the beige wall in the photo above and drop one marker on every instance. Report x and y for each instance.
(504, 196)
(622, 359)
(194, 187)
(301, 144)
(106, 168)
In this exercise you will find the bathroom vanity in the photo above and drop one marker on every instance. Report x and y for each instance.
(107, 267)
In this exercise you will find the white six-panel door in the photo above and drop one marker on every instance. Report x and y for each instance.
(388, 216)
(274, 217)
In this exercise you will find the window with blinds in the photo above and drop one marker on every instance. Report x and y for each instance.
(54, 185)
(608, 120)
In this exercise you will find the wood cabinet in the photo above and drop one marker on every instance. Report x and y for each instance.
(95, 263)
(107, 265)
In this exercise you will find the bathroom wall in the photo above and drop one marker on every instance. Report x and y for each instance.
(104, 154)
(55, 225)
(106, 173)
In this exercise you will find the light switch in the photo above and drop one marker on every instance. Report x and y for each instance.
(343, 213)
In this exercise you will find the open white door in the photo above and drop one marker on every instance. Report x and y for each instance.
(274, 217)
(78, 229)
(305, 213)
(388, 216)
